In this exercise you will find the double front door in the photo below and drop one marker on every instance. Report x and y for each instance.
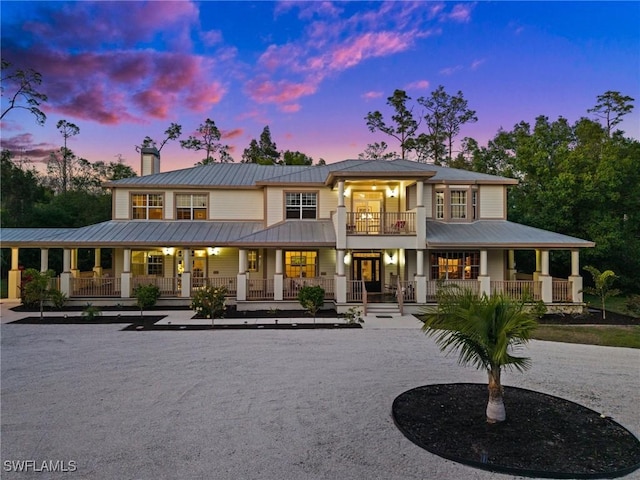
(366, 267)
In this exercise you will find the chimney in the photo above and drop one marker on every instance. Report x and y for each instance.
(149, 161)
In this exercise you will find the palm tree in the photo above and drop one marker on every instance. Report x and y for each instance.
(486, 331)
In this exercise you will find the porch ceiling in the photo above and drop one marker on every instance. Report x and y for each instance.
(497, 233)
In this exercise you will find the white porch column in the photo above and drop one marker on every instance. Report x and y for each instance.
(483, 276)
(65, 276)
(341, 219)
(575, 278)
(341, 193)
(14, 275)
(421, 279)
(340, 278)
(545, 278)
(241, 289)
(97, 267)
(44, 260)
(278, 278)
(125, 276)
(186, 273)
(421, 217)
(511, 265)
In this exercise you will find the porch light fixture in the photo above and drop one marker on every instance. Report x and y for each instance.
(392, 192)
(347, 258)
(391, 258)
(374, 186)
(347, 192)
(168, 250)
(213, 250)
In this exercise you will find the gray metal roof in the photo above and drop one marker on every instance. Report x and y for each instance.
(134, 232)
(248, 175)
(304, 233)
(497, 233)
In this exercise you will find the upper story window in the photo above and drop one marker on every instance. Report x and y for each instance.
(146, 206)
(458, 204)
(440, 204)
(301, 205)
(474, 204)
(191, 206)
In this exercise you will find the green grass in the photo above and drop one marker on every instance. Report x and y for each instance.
(613, 304)
(605, 335)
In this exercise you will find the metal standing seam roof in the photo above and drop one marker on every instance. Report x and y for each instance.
(132, 233)
(251, 175)
(308, 233)
(497, 233)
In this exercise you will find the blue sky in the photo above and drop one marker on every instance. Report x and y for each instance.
(309, 70)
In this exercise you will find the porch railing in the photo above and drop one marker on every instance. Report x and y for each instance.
(354, 291)
(381, 223)
(95, 287)
(519, 289)
(292, 286)
(562, 291)
(433, 286)
(260, 289)
(230, 283)
(169, 286)
(408, 291)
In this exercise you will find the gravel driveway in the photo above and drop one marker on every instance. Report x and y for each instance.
(255, 404)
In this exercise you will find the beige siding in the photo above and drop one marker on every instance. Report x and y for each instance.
(495, 264)
(328, 202)
(492, 201)
(169, 205)
(275, 205)
(121, 204)
(428, 200)
(236, 205)
(225, 264)
(326, 262)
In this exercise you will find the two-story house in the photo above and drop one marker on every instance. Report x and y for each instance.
(365, 230)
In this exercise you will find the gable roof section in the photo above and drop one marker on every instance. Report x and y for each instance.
(497, 234)
(292, 233)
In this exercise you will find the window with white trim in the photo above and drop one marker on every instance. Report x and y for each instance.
(455, 265)
(147, 263)
(191, 206)
(458, 204)
(253, 261)
(301, 205)
(300, 264)
(440, 204)
(147, 206)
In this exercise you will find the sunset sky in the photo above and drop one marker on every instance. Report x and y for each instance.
(309, 70)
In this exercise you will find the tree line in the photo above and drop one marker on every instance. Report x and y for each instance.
(580, 179)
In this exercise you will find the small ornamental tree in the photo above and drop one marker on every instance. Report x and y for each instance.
(210, 302)
(486, 332)
(146, 296)
(36, 288)
(602, 286)
(311, 298)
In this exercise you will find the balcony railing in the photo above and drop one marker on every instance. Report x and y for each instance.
(381, 223)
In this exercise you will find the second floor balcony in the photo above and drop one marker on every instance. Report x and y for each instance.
(381, 223)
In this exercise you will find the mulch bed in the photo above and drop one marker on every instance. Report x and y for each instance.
(543, 436)
(146, 320)
(591, 316)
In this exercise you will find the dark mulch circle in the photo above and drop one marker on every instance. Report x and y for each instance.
(252, 326)
(543, 436)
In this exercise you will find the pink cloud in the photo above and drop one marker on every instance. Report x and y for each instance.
(283, 91)
(476, 64)
(230, 134)
(290, 108)
(371, 95)
(418, 85)
(461, 12)
(365, 46)
(23, 148)
(212, 37)
(450, 70)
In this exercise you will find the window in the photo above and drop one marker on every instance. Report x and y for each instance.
(147, 263)
(458, 204)
(440, 204)
(455, 265)
(146, 206)
(253, 261)
(301, 205)
(191, 207)
(474, 204)
(300, 264)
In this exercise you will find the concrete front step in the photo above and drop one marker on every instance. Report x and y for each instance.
(383, 309)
